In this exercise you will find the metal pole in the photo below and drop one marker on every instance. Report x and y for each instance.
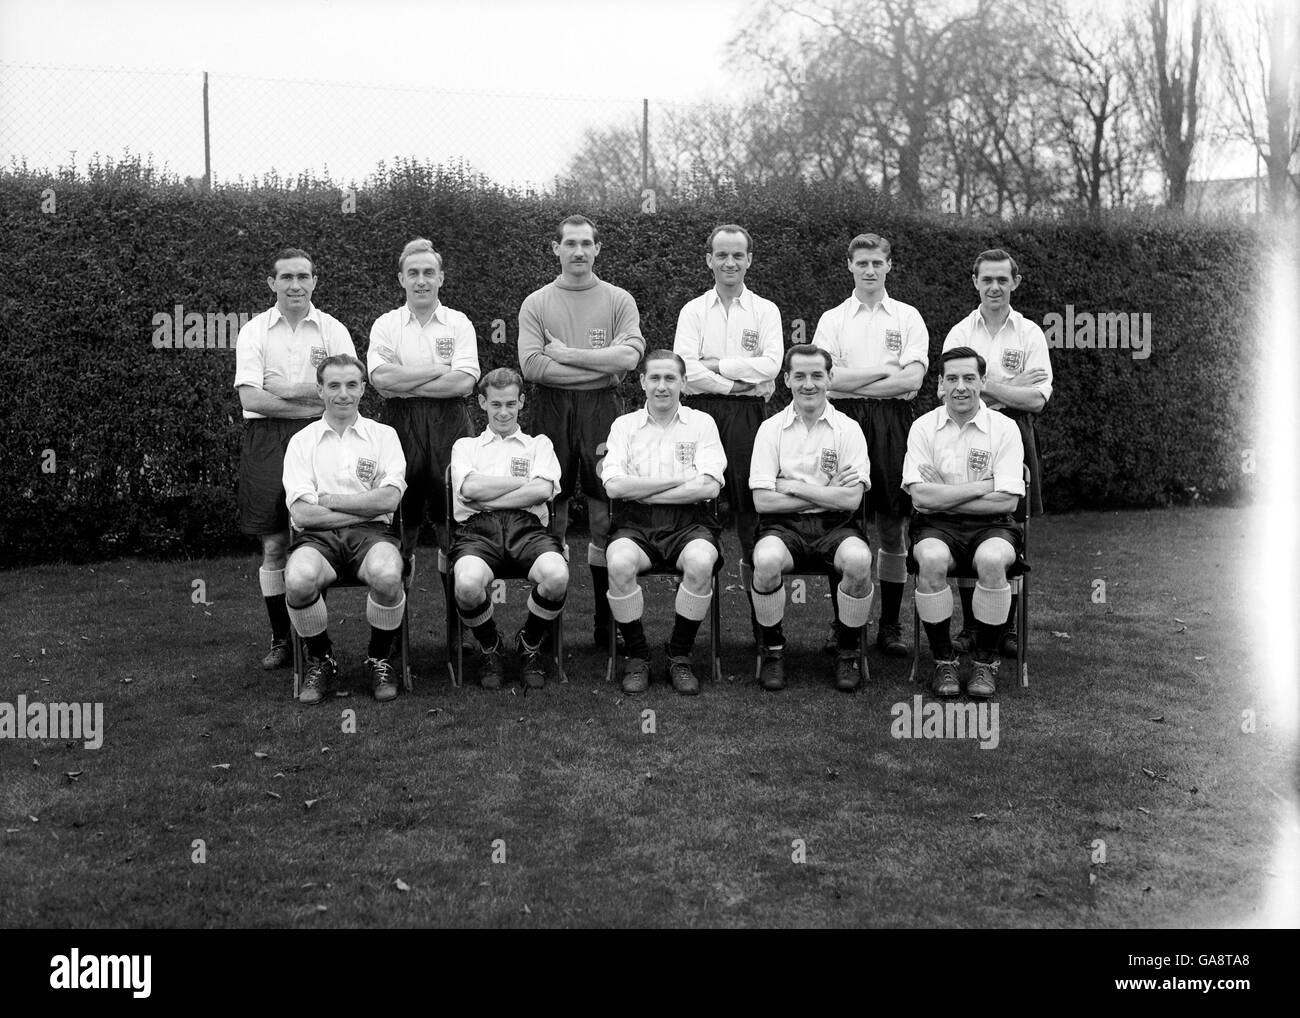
(207, 139)
(645, 144)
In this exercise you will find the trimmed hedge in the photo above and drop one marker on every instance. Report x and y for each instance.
(143, 442)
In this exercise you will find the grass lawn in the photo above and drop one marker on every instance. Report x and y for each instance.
(604, 824)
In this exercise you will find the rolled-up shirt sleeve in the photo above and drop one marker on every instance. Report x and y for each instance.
(299, 477)
(710, 457)
(1009, 463)
(763, 464)
(546, 465)
(615, 463)
(392, 463)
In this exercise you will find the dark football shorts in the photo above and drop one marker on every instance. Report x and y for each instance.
(427, 429)
(345, 548)
(503, 538)
(963, 534)
(664, 531)
(738, 418)
(811, 538)
(885, 423)
(577, 421)
(261, 473)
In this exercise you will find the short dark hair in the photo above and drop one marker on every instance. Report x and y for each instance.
(964, 352)
(661, 353)
(500, 378)
(291, 252)
(995, 254)
(868, 242)
(805, 350)
(576, 220)
(732, 228)
(339, 360)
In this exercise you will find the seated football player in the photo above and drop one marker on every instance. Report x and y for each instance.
(809, 473)
(662, 463)
(344, 475)
(964, 473)
(501, 481)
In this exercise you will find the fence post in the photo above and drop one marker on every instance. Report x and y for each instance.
(207, 139)
(645, 144)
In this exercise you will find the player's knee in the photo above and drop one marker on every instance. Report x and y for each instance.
(469, 586)
(932, 560)
(621, 560)
(553, 576)
(991, 561)
(697, 563)
(301, 582)
(856, 564)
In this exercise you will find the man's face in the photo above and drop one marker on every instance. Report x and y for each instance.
(869, 267)
(502, 407)
(340, 390)
(292, 284)
(662, 383)
(577, 251)
(421, 277)
(730, 259)
(962, 385)
(808, 379)
(994, 282)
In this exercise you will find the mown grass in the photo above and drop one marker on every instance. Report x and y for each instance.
(606, 825)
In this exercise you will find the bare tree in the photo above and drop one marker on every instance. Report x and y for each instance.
(864, 71)
(1167, 82)
(1258, 65)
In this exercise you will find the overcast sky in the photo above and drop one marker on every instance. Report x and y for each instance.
(440, 80)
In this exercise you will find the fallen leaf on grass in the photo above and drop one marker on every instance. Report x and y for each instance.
(309, 803)
(1059, 635)
(401, 884)
(1180, 629)
(526, 910)
(1180, 622)
(223, 767)
(1146, 889)
(273, 795)
(278, 774)
(1092, 879)
(1149, 772)
(979, 816)
(260, 755)
(1143, 809)
(1158, 719)
(831, 774)
(35, 820)
(127, 681)
(12, 830)
(321, 908)
(35, 762)
(1199, 657)
(434, 710)
(73, 775)
(324, 749)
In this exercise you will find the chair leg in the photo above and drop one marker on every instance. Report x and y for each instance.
(916, 642)
(557, 644)
(715, 633)
(1022, 632)
(612, 650)
(455, 664)
(299, 660)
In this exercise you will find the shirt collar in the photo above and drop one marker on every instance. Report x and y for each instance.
(361, 426)
(745, 299)
(792, 414)
(313, 315)
(407, 316)
(1014, 318)
(644, 420)
(980, 420)
(489, 436)
(886, 303)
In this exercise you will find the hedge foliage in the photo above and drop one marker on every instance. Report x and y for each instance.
(115, 446)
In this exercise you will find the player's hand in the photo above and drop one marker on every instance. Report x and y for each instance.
(1033, 376)
(930, 475)
(277, 385)
(846, 478)
(555, 348)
